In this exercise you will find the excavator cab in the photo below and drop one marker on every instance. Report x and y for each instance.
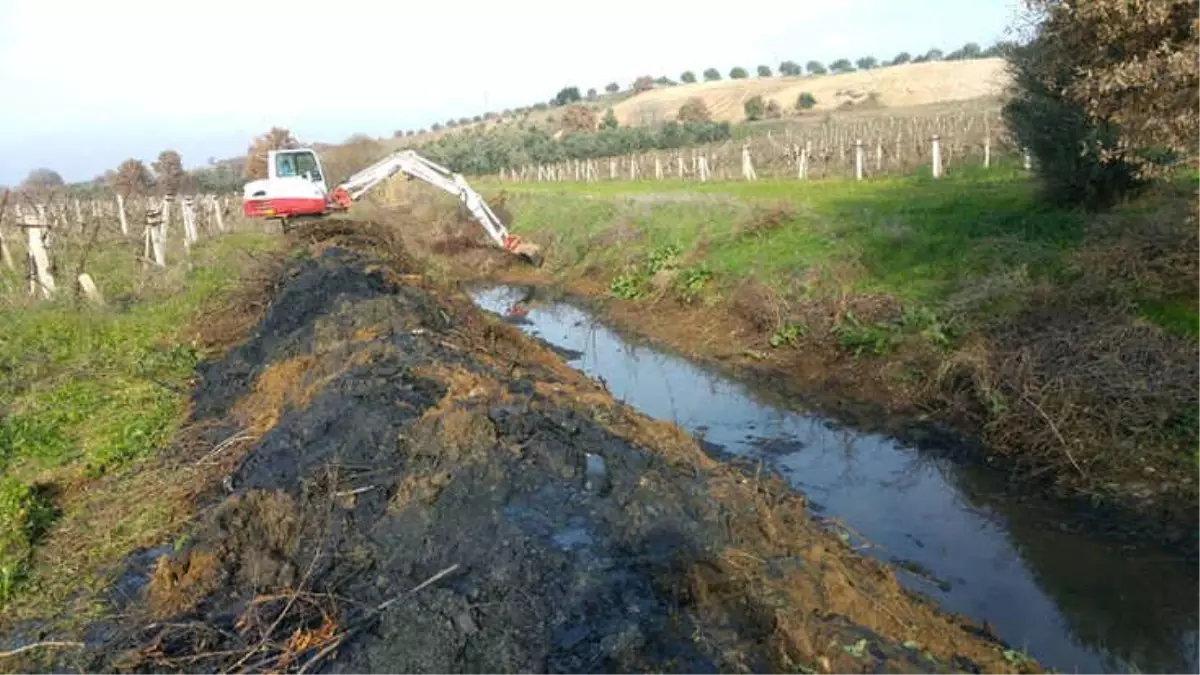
(300, 163)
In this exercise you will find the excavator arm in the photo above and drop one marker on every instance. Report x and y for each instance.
(415, 166)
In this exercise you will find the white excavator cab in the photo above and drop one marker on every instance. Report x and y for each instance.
(300, 163)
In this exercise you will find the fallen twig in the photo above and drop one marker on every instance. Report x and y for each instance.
(38, 645)
(1066, 447)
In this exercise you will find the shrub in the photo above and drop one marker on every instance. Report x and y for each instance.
(694, 110)
(566, 95)
(738, 73)
(578, 118)
(773, 111)
(610, 120)
(805, 101)
(1104, 96)
(841, 66)
(755, 108)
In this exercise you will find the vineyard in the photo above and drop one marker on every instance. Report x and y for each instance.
(823, 148)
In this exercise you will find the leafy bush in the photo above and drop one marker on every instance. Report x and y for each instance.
(578, 118)
(841, 66)
(610, 120)
(755, 108)
(694, 110)
(805, 101)
(566, 95)
(1073, 150)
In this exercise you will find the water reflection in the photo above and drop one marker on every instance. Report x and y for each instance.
(1074, 602)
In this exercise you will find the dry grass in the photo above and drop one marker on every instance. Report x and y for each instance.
(907, 85)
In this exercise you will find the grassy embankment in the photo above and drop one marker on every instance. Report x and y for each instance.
(1066, 341)
(88, 397)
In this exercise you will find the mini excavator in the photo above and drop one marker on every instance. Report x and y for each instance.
(295, 189)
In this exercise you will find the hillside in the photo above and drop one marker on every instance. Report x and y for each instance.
(906, 85)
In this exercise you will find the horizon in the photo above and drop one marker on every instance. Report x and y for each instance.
(375, 77)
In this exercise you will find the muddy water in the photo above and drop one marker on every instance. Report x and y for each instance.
(1075, 602)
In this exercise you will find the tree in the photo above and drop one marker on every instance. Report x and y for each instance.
(42, 179)
(643, 83)
(764, 71)
(566, 95)
(694, 110)
(815, 68)
(805, 101)
(712, 75)
(866, 63)
(168, 171)
(612, 87)
(971, 50)
(451, 123)
(131, 178)
(436, 126)
(755, 108)
(934, 54)
(591, 93)
(790, 68)
(1105, 95)
(277, 138)
(578, 118)
(664, 81)
(609, 121)
(738, 73)
(841, 66)
(688, 77)
(901, 58)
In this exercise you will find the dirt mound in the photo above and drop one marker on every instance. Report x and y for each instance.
(432, 491)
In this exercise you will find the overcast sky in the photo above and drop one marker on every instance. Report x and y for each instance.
(84, 85)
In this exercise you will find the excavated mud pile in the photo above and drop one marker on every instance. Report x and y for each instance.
(428, 490)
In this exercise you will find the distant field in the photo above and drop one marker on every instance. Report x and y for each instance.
(911, 84)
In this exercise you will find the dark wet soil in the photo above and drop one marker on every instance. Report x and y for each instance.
(433, 492)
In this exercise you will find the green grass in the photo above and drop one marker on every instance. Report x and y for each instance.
(87, 390)
(914, 237)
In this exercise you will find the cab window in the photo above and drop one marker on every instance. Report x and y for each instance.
(307, 163)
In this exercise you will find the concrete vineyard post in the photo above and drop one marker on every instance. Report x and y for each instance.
(612, 168)
(121, 214)
(37, 237)
(858, 159)
(878, 155)
(1028, 160)
(156, 235)
(658, 171)
(188, 212)
(747, 165)
(218, 217)
(936, 154)
(5, 253)
(89, 289)
(703, 169)
(987, 152)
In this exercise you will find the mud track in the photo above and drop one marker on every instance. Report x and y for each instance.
(429, 490)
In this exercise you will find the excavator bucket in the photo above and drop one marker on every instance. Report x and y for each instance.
(530, 252)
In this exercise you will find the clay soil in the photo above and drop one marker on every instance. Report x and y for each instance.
(429, 490)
